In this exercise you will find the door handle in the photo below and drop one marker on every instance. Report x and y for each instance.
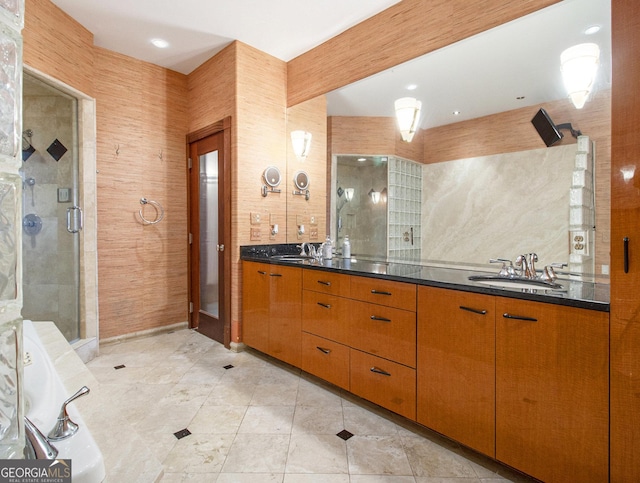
(74, 213)
(220, 248)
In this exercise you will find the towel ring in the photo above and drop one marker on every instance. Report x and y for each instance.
(159, 211)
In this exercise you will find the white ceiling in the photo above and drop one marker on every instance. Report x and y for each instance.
(485, 74)
(478, 76)
(198, 29)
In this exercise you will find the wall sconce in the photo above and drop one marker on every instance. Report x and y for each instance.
(384, 195)
(579, 65)
(300, 230)
(375, 196)
(301, 142)
(274, 229)
(348, 193)
(408, 115)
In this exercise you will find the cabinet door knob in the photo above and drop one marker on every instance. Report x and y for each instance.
(519, 317)
(377, 370)
(475, 311)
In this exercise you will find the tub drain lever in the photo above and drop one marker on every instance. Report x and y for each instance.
(65, 428)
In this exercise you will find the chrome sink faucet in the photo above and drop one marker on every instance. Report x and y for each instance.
(527, 265)
(311, 250)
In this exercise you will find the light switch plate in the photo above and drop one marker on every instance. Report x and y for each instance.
(64, 195)
(255, 218)
(313, 220)
(313, 234)
(256, 234)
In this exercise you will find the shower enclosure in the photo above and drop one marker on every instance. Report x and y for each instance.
(52, 218)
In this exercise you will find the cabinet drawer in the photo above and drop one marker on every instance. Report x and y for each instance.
(392, 294)
(383, 331)
(383, 382)
(326, 282)
(326, 359)
(325, 315)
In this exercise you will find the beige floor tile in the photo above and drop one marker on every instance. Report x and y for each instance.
(315, 393)
(257, 453)
(384, 479)
(377, 455)
(298, 478)
(431, 460)
(218, 420)
(363, 422)
(318, 420)
(267, 420)
(199, 453)
(238, 394)
(250, 478)
(318, 454)
(274, 394)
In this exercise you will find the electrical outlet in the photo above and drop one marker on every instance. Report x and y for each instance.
(255, 218)
(313, 234)
(580, 242)
(256, 234)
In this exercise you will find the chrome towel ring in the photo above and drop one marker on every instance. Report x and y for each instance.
(159, 211)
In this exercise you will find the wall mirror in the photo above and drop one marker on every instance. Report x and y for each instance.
(301, 181)
(480, 94)
(271, 178)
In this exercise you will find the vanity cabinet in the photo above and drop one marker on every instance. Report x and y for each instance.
(552, 383)
(456, 366)
(272, 310)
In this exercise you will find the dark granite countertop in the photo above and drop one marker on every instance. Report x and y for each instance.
(587, 295)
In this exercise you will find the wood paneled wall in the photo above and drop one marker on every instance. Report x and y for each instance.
(57, 45)
(141, 114)
(402, 32)
(372, 136)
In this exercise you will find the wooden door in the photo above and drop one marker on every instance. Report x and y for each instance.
(552, 390)
(210, 235)
(255, 305)
(456, 366)
(625, 224)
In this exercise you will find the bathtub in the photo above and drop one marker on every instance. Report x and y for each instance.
(44, 394)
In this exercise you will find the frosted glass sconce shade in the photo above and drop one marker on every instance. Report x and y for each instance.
(408, 115)
(348, 193)
(301, 142)
(375, 196)
(579, 65)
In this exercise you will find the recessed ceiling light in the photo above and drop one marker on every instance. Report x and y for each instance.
(412, 87)
(593, 29)
(160, 43)
(362, 159)
(456, 113)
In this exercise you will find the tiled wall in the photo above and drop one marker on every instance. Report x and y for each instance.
(405, 208)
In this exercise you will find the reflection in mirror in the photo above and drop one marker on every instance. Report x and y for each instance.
(496, 88)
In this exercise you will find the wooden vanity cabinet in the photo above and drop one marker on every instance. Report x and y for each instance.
(552, 383)
(272, 310)
(456, 366)
(326, 359)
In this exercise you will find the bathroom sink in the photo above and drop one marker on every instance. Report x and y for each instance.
(521, 283)
(293, 258)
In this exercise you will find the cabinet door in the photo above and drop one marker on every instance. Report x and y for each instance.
(326, 359)
(285, 315)
(325, 315)
(255, 305)
(383, 382)
(383, 331)
(456, 366)
(552, 383)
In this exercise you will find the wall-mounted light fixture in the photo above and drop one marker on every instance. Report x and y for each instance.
(375, 196)
(384, 195)
(301, 142)
(348, 193)
(408, 115)
(579, 65)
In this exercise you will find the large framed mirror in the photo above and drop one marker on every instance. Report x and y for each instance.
(479, 96)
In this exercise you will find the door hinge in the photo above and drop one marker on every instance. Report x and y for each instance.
(190, 307)
(190, 238)
(189, 163)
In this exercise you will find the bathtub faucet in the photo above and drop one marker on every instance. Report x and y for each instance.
(37, 446)
(65, 428)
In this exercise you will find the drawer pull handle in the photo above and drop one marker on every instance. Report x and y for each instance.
(626, 254)
(262, 272)
(380, 292)
(380, 319)
(322, 282)
(475, 311)
(379, 371)
(275, 275)
(519, 317)
(323, 350)
(326, 306)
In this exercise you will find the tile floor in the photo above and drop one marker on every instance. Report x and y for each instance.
(263, 421)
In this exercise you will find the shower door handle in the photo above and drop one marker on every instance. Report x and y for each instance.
(75, 219)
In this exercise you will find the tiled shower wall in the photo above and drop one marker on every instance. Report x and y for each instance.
(50, 275)
(405, 200)
(11, 407)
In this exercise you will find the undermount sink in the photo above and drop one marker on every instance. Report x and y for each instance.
(293, 258)
(521, 283)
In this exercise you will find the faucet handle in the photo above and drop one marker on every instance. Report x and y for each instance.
(506, 270)
(64, 427)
